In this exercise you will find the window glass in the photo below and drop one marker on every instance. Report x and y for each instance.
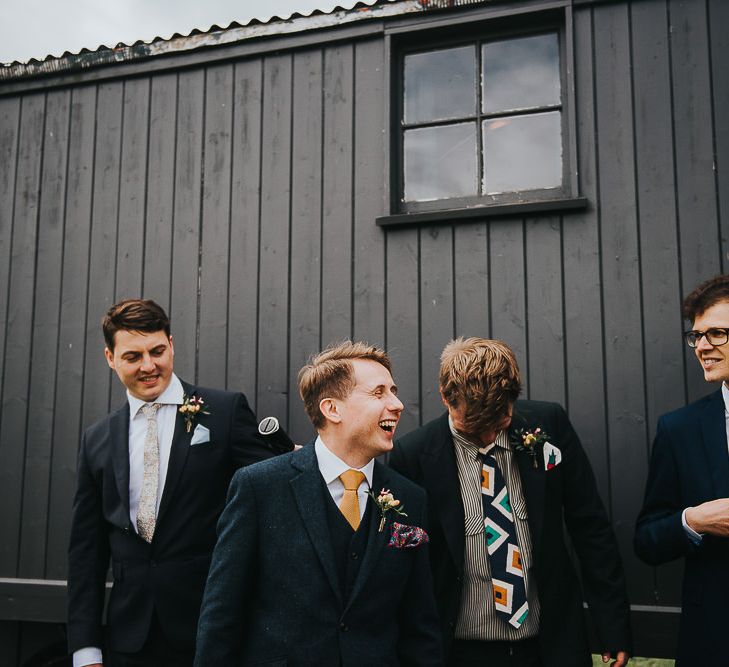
(522, 152)
(441, 162)
(440, 85)
(520, 73)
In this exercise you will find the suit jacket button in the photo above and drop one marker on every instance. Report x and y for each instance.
(354, 555)
(343, 627)
(153, 563)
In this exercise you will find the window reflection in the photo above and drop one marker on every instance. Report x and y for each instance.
(522, 152)
(440, 84)
(441, 162)
(521, 73)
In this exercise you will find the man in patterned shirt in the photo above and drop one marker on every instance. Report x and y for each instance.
(501, 476)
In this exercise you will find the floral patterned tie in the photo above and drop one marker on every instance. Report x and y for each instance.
(147, 510)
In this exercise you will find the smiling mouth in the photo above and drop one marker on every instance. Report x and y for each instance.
(388, 425)
(148, 379)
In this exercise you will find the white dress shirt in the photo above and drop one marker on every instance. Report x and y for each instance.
(169, 401)
(692, 534)
(331, 466)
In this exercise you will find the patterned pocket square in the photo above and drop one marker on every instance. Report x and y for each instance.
(200, 435)
(407, 537)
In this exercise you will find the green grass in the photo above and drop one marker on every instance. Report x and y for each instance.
(638, 662)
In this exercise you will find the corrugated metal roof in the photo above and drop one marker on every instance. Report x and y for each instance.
(218, 35)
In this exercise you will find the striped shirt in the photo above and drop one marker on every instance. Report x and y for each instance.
(477, 618)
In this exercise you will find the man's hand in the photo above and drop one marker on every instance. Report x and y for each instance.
(711, 517)
(620, 661)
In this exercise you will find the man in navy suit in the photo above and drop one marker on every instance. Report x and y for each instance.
(152, 479)
(310, 568)
(685, 513)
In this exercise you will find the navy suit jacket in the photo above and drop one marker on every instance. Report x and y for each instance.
(273, 596)
(689, 466)
(566, 492)
(168, 575)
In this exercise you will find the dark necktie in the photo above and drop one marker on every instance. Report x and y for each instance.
(507, 575)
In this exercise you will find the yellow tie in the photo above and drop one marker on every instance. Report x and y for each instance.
(350, 503)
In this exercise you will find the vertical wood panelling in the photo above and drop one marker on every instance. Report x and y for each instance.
(273, 285)
(471, 250)
(186, 229)
(508, 298)
(9, 128)
(69, 382)
(403, 322)
(368, 290)
(581, 256)
(436, 311)
(36, 482)
(694, 150)
(621, 276)
(102, 255)
(336, 289)
(244, 229)
(14, 409)
(306, 216)
(160, 189)
(718, 20)
(214, 278)
(545, 333)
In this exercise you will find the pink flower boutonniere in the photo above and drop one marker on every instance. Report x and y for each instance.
(530, 442)
(407, 537)
(386, 502)
(191, 407)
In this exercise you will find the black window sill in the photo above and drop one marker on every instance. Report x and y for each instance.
(480, 213)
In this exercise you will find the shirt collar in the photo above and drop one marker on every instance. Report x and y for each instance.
(725, 396)
(331, 466)
(171, 396)
(473, 449)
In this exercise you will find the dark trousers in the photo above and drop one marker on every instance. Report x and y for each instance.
(466, 653)
(156, 652)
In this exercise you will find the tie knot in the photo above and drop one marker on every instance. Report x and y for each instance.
(150, 410)
(351, 479)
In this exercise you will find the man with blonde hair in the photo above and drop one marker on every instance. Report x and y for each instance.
(501, 475)
(321, 557)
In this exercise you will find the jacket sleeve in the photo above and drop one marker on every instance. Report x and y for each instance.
(659, 533)
(88, 559)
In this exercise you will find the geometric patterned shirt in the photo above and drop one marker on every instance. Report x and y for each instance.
(477, 619)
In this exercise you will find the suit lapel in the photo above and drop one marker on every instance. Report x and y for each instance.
(308, 493)
(532, 482)
(119, 433)
(375, 539)
(441, 479)
(713, 431)
(179, 451)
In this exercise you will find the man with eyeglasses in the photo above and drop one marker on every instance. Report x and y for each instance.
(686, 508)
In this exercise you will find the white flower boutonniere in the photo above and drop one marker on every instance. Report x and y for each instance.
(385, 501)
(191, 407)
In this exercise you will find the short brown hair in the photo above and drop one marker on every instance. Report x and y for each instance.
(706, 295)
(329, 374)
(134, 315)
(482, 377)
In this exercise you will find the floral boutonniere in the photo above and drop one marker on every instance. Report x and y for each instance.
(531, 442)
(191, 407)
(386, 502)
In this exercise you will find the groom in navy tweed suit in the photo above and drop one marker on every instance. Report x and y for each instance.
(311, 570)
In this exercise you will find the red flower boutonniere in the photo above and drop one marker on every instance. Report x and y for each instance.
(191, 407)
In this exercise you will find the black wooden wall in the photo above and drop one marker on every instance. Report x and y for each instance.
(240, 190)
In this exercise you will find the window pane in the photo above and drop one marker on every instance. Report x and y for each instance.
(521, 73)
(522, 153)
(441, 162)
(440, 84)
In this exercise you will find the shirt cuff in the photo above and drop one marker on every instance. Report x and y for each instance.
(695, 537)
(89, 655)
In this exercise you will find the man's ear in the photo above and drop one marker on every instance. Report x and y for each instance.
(443, 399)
(109, 358)
(172, 348)
(330, 409)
